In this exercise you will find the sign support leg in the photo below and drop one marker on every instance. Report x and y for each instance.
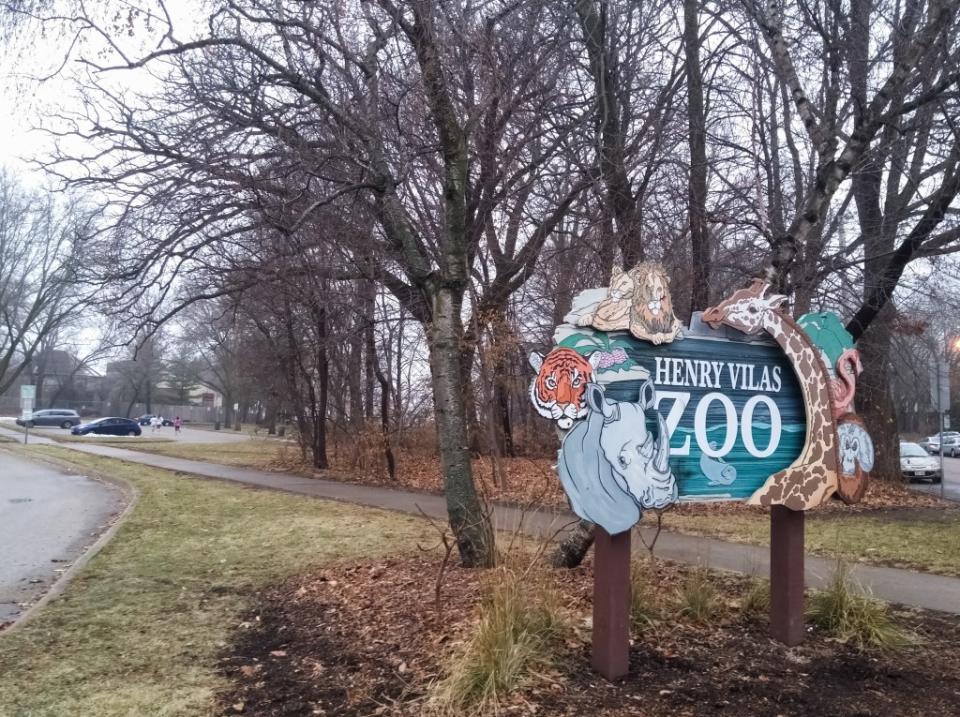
(786, 575)
(611, 603)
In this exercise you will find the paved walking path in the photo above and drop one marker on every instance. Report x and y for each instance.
(908, 587)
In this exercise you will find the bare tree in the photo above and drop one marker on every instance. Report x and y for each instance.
(40, 256)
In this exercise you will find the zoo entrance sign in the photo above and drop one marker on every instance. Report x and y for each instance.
(746, 404)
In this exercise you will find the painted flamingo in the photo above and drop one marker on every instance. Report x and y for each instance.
(844, 385)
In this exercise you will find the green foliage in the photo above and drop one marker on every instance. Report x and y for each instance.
(756, 597)
(519, 624)
(842, 612)
(698, 598)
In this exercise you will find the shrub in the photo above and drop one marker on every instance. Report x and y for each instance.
(853, 617)
(644, 604)
(698, 597)
(756, 597)
(520, 623)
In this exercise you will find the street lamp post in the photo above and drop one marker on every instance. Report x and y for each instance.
(940, 426)
(942, 369)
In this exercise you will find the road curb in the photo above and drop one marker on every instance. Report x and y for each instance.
(131, 495)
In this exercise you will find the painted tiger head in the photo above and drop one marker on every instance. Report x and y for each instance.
(557, 390)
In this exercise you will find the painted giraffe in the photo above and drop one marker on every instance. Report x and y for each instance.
(812, 477)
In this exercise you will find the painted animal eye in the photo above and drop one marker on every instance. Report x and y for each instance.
(576, 382)
(623, 461)
(752, 309)
(551, 382)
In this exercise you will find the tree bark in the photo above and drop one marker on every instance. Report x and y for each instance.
(468, 520)
(874, 402)
(623, 206)
(374, 364)
(573, 549)
(323, 385)
(697, 185)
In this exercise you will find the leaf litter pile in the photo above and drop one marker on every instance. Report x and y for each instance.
(374, 639)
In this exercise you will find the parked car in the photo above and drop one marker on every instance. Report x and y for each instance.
(62, 417)
(145, 419)
(915, 464)
(951, 443)
(108, 427)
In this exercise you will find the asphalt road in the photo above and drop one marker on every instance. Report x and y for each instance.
(47, 519)
(951, 481)
(186, 435)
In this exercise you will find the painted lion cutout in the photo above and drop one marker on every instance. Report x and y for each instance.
(638, 301)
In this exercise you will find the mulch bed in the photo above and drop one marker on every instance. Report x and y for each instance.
(369, 639)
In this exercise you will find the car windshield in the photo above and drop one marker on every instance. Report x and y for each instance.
(911, 450)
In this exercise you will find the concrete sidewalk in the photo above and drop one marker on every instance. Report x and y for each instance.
(907, 587)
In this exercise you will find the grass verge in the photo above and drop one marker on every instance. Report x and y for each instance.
(139, 629)
(257, 453)
(928, 542)
(109, 440)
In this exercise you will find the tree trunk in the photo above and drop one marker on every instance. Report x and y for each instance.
(323, 387)
(368, 290)
(468, 520)
(355, 377)
(874, 402)
(623, 207)
(697, 185)
(474, 430)
(573, 549)
(374, 363)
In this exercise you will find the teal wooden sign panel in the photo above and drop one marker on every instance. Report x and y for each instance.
(734, 410)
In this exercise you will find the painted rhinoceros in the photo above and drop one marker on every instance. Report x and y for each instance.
(612, 466)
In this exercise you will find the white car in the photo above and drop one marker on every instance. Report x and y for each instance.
(916, 464)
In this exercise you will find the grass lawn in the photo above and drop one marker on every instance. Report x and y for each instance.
(928, 542)
(139, 629)
(262, 454)
(108, 440)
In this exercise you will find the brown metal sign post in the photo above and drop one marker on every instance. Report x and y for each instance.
(611, 603)
(786, 575)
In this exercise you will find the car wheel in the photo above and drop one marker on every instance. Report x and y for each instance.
(30, 424)
(937, 479)
(66, 424)
(131, 434)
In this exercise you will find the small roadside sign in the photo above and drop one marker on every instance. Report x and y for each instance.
(28, 393)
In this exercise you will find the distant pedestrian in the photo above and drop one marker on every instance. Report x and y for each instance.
(177, 424)
(155, 423)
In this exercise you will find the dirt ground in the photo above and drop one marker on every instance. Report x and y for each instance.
(370, 639)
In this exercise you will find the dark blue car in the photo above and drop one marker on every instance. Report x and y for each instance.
(108, 427)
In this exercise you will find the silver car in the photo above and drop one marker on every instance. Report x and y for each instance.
(62, 417)
(916, 464)
(951, 444)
